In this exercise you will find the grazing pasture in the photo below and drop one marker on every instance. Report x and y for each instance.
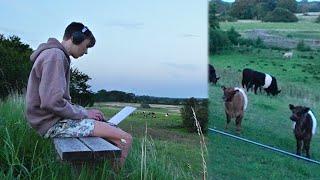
(160, 148)
(267, 117)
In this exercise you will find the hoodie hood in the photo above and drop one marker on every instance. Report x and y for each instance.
(51, 43)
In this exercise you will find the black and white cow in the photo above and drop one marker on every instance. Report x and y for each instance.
(212, 75)
(304, 127)
(255, 79)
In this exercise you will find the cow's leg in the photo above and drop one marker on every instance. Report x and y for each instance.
(238, 122)
(299, 144)
(255, 89)
(249, 86)
(306, 146)
(228, 120)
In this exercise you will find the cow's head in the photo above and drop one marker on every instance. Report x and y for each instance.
(299, 114)
(276, 92)
(215, 80)
(228, 93)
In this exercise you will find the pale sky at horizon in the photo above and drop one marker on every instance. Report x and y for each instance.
(155, 48)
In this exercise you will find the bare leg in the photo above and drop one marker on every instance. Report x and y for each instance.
(121, 138)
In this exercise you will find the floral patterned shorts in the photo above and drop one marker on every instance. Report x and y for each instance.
(71, 128)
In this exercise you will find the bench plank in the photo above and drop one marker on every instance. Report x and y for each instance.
(70, 149)
(101, 148)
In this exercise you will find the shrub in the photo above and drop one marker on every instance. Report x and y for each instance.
(145, 105)
(226, 17)
(14, 65)
(280, 15)
(218, 41)
(259, 43)
(233, 36)
(246, 42)
(201, 111)
(301, 46)
(318, 19)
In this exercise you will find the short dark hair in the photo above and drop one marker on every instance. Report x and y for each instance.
(78, 27)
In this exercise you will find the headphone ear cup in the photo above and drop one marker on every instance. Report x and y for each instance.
(77, 37)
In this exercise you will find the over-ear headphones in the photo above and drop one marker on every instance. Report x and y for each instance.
(78, 36)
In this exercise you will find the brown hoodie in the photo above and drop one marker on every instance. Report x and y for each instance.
(48, 98)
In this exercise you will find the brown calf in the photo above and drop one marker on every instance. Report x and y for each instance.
(235, 102)
(304, 126)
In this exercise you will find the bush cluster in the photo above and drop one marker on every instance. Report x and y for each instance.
(280, 15)
(301, 46)
(201, 111)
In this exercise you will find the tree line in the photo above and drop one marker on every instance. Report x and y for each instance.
(15, 67)
(265, 10)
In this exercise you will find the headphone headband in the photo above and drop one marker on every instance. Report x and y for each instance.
(84, 29)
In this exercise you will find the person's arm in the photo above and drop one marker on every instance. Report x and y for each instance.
(52, 88)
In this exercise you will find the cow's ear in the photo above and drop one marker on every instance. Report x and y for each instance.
(234, 92)
(223, 87)
(291, 106)
(306, 109)
(218, 78)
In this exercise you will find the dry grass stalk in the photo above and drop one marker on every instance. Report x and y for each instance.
(203, 146)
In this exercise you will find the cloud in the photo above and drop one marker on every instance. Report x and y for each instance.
(190, 35)
(126, 25)
(9, 30)
(189, 67)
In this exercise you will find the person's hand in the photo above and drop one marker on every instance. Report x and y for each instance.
(95, 114)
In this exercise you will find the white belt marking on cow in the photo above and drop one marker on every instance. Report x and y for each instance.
(267, 81)
(314, 122)
(244, 96)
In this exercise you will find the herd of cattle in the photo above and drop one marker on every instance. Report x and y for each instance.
(236, 100)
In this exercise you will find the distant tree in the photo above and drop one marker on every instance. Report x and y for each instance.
(262, 9)
(291, 5)
(213, 20)
(314, 6)
(79, 89)
(15, 65)
(243, 9)
(280, 15)
(221, 6)
(271, 4)
(114, 96)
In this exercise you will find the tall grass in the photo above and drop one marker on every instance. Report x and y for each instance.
(25, 155)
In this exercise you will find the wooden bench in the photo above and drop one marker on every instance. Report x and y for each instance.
(85, 149)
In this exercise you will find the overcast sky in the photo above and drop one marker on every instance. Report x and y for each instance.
(156, 48)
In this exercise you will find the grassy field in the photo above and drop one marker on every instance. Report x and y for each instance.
(290, 27)
(171, 152)
(267, 118)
